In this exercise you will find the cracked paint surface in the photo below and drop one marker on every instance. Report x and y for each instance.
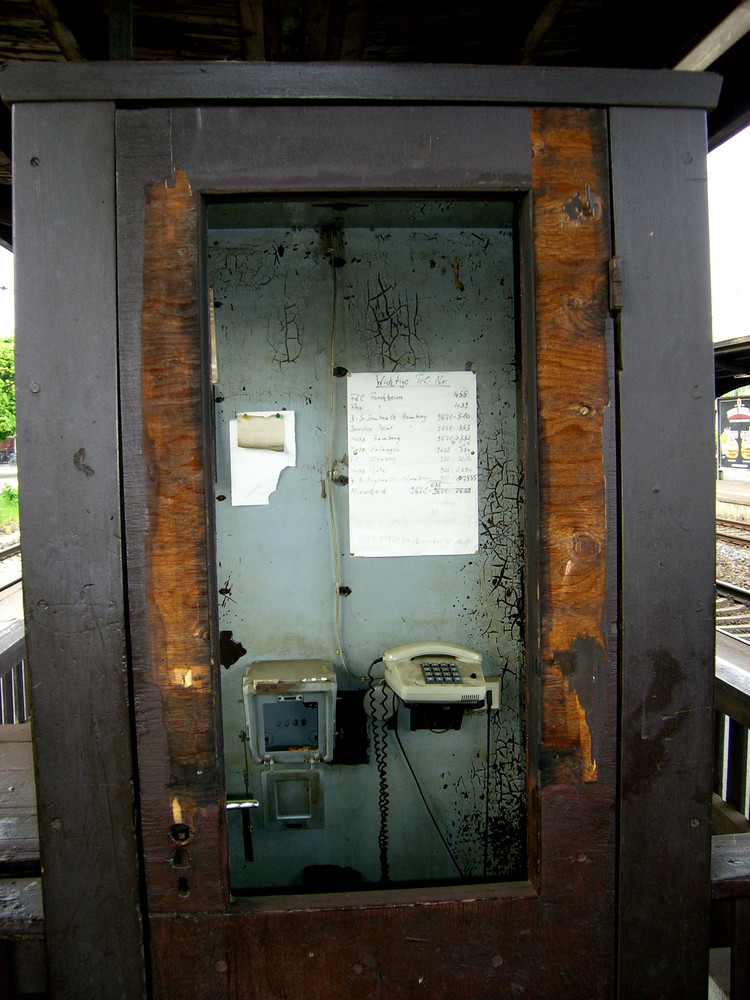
(397, 299)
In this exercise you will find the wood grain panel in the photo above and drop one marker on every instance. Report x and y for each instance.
(279, 83)
(392, 945)
(668, 481)
(179, 728)
(571, 240)
(556, 942)
(577, 750)
(67, 408)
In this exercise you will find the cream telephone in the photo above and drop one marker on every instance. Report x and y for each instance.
(437, 673)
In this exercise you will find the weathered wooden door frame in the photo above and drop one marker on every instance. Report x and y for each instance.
(569, 900)
(60, 111)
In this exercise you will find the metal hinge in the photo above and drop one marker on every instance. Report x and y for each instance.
(615, 284)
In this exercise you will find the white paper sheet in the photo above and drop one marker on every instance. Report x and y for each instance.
(412, 463)
(256, 470)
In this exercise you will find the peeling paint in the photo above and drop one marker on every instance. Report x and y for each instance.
(395, 311)
(582, 206)
(456, 268)
(229, 650)
(392, 327)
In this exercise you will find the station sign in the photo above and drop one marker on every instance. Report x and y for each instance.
(733, 431)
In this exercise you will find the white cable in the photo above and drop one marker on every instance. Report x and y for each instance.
(332, 515)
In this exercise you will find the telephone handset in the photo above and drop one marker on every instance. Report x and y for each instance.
(437, 672)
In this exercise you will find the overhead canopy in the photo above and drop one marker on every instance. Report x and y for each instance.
(594, 33)
(732, 365)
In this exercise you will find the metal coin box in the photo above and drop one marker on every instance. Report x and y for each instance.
(290, 707)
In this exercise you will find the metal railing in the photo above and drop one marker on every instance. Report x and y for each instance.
(731, 725)
(14, 689)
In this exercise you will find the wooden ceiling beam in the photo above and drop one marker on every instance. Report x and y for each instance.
(252, 34)
(346, 30)
(271, 30)
(121, 29)
(63, 36)
(317, 24)
(720, 40)
(541, 26)
(355, 23)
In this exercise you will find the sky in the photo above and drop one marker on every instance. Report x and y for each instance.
(729, 227)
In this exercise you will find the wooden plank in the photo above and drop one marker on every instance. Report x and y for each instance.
(303, 149)
(183, 663)
(667, 469)
(572, 802)
(120, 29)
(225, 81)
(177, 710)
(570, 225)
(730, 892)
(14, 648)
(276, 947)
(60, 31)
(739, 983)
(21, 912)
(66, 367)
(725, 819)
(730, 866)
(251, 29)
(271, 29)
(577, 652)
(354, 31)
(19, 834)
(163, 765)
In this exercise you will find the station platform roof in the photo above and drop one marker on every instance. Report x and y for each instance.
(731, 365)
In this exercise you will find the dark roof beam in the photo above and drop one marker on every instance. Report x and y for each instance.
(540, 28)
(353, 40)
(733, 371)
(63, 36)
(251, 30)
(317, 23)
(272, 30)
(121, 29)
(346, 30)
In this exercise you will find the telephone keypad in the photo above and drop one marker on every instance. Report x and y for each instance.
(441, 673)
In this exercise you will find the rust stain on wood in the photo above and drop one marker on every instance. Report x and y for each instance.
(180, 747)
(571, 239)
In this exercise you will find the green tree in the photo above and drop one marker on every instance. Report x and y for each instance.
(7, 387)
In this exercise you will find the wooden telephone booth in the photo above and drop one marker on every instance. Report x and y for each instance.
(543, 232)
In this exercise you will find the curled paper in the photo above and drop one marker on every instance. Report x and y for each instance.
(261, 446)
(266, 433)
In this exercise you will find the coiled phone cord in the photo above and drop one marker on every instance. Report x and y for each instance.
(379, 711)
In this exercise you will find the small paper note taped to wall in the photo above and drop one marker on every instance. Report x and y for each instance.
(261, 432)
(261, 446)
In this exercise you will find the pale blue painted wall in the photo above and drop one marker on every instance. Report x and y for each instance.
(426, 288)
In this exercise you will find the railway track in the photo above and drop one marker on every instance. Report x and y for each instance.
(736, 532)
(733, 611)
